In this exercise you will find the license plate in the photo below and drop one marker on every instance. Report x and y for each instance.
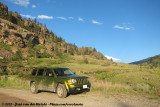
(84, 86)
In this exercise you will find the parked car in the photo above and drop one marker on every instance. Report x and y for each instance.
(60, 80)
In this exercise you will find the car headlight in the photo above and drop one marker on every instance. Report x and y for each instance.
(87, 80)
(73, 81)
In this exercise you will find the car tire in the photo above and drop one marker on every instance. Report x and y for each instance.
(61, 91)
(33, 88)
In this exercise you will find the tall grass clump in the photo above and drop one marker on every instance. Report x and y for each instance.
(14, 82)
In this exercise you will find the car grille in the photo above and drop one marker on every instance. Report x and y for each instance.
(81, 81)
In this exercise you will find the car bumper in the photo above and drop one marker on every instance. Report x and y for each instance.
(78, 89)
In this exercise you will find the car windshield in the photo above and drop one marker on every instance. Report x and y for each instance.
(63, 72)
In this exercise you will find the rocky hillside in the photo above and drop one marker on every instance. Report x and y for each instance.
(29, 35)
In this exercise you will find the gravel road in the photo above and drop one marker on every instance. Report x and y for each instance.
(23, 98)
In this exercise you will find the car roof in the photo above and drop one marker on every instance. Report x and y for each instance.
(48, 67)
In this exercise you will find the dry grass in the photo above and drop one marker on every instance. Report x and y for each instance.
(116, 78)
(105, 87)
(91, 59)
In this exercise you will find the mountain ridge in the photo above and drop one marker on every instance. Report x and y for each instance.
(151, 61)
(140, 61)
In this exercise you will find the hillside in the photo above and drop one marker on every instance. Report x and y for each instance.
(20, 32)
(140, 62)
(22, 38)
(151, 61)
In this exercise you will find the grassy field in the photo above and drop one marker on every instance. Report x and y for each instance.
(116, 78)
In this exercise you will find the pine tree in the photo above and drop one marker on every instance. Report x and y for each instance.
(35, 20)
(94, 49)
(111, 59)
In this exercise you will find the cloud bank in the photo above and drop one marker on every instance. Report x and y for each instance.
(114, 59)
(70, 18)
(34, 6)
(96, 22)
(123, 27)
(24, 3)
(63, 18)
(45, 17)
(28, 16)
(80, 19)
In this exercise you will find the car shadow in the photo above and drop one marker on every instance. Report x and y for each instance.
(77, 93)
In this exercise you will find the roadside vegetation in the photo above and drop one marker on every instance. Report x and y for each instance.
(113, 78)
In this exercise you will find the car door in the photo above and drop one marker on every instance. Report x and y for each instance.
(40, 78)
(49, 80)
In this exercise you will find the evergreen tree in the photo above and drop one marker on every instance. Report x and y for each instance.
(111, 59)
(94, 49)
(35, 20)
(85, 60)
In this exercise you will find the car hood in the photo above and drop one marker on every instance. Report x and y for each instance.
(73, 76)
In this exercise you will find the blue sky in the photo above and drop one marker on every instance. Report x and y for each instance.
(128, 30)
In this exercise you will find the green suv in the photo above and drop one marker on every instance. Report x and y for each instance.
(59, 80)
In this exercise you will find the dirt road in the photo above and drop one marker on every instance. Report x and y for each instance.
(23, 98)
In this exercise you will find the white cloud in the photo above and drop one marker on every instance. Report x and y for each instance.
(123, 27)
(63, 18)
(127, 28)
(95, 22)
(70, 18)
(45, 17)
(80, 19)
(28, 16)
(34, 6)
(118, 27)
(114, 59)
(24, 3)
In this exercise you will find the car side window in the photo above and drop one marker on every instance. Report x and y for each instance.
(40, 72)
(58, 72)
(49, 73)
(34, 71)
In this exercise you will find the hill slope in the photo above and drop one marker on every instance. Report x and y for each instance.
(24, 39)
(26, 33)
(151, 61)
(140, 62)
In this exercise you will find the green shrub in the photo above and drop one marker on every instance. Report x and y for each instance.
(15, 82)
(17, 65)
(84, 72)
(5, 46)
(143, 87)
(105, 76)
(85, 61)
(99, 72)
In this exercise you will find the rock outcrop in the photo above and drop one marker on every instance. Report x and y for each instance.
(3, 10)
(11, 34)
(5, 54)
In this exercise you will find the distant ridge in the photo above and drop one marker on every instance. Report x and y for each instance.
(140, 61)
(151, 61)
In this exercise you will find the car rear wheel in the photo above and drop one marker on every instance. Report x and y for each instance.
(33, 88)
(61, 91)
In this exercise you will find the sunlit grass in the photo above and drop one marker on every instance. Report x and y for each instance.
(115, 78)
